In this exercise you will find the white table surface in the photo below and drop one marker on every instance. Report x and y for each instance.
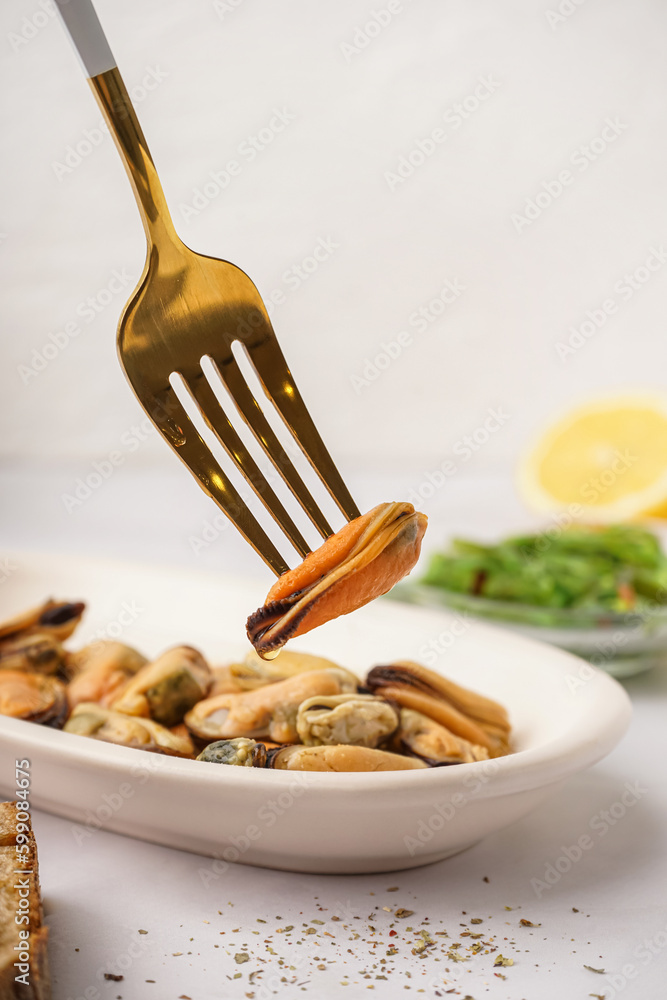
(607, 910)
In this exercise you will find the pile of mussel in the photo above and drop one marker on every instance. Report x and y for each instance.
(297, 712)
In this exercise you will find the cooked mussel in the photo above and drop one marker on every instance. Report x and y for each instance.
(225, 681)
(357, 564)
(90, 719)
(266, 711)
(477, 719)
(33, 652)
(360, 720)
(55, 618)
(339, 758)
(100, 671)
(101, 650)
(167, 688)
(421, 737)
(33, 697)
(239, 752)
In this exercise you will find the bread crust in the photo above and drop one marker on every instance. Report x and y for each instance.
(12, 864)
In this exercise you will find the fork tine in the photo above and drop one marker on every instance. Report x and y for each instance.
(251, 412)
(171, 419)
(219, 422)
(278, 383)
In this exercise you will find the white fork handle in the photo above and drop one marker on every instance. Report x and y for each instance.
(85, 31)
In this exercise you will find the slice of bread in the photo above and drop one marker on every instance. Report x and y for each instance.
(23, 934)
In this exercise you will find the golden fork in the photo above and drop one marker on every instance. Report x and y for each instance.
(187, 307)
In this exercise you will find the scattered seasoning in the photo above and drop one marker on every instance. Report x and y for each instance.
(575, 910)
(476, 920)
(486, 879)
(528, 923)
(500, 960)
(240, 957)
(400, 913)
(140, 931)
(590, 968)
(113, 978)
(392, 888)
(599, 996)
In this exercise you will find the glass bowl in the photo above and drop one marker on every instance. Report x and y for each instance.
(622, 644)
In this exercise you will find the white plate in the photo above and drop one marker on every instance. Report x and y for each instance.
(565, 715)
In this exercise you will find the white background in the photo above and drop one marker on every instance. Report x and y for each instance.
(356, 113)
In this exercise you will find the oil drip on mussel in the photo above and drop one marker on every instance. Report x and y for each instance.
(421, 737)
(266, 711)
(55, 618)
(167, 688)
(256, 671)
(100, 671)
(357, 564)
(32, 697)
(90, 719)
(360, 720)
(477, 719)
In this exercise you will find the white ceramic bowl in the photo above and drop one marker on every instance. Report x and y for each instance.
(566, 715)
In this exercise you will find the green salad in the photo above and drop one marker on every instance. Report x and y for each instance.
(618, 569)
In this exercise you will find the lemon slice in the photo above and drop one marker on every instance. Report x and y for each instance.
(607, 458)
